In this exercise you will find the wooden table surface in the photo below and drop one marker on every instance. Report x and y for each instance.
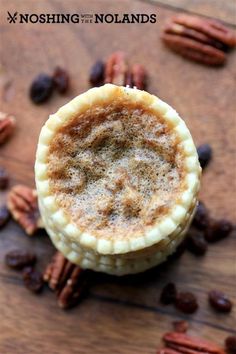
(120, 315)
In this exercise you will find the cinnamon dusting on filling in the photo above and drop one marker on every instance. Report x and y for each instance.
(116, 169)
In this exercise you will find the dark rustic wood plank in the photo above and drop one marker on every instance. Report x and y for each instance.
(120, 315)
(203, 274)
(222, 10)
(96, 325)
(212, 271)
(169, 75)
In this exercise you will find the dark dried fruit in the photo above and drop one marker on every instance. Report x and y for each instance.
(180, 326)
(196, 242)
(41, 88)
(204, 154)
(4, 178)
(218, 229)
(179, 250)
(18, 259)
(61, 80)
(230, 344)
(168, 294)
(219, 301)
(96, 76)
(201, 217)
(186, 302)
(4, 215)
(33, 280)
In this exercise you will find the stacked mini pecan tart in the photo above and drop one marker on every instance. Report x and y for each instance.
(117, 176)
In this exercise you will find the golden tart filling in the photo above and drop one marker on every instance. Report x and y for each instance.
(116, 168)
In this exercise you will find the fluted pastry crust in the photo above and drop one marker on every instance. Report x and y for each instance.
(117, 256)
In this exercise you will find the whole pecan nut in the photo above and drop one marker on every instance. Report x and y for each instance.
(139, 76)
(167, 351)
(7, 126)
(213, 29)
(116, 69)
(199, 39)
(190, 345)
(67, 279)
(23, 205)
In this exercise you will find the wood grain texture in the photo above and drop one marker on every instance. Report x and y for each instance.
(220, 9)
(120, 315)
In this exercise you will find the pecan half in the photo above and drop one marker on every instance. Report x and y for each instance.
(7, 126)
(54, 271)
(213, 29)
(190, 345)
(129, 79)
(23, 205)
(116, 69)
(67, 279)
(139, 76)
(202, 40)
(71, 293)
(194, 50)
(167, 351)
(175, 28)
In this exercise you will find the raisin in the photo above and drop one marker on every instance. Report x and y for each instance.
(96, 76)
(4, 215)
(201, 217)
(18, 259)
(41, 88)
(168, 294)
(204, 154)
(218, 229)
(33, 280)
(4, 178)
(179, 250)
(61, 80)
(230, 344)
(196, 242)
(219, 301)
(180, 326)
(186, 302)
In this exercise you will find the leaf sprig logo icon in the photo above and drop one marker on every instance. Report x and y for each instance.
(12, 18)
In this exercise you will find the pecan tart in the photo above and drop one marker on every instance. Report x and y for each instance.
(117, 176)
